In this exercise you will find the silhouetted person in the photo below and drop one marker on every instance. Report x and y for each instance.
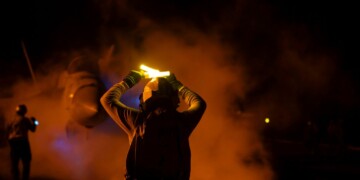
(17, 132)
(157, 132)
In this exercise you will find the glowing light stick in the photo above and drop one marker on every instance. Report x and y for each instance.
(153, 73)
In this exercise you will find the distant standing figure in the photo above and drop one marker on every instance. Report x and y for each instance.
(17, 133)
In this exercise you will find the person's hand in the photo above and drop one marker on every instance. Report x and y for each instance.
(138, 74)
(36, 122)
(173, 81)
(133, 77)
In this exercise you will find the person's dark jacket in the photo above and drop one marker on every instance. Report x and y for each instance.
(159, 146)
(19, 127)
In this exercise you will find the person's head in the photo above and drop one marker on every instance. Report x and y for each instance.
(159, 93)
(21, 109)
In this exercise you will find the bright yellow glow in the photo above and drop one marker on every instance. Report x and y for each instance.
(147, 68)
(153, 73)
(267, 120)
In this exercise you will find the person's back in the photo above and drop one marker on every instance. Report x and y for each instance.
(158, 133)
(19, 127)
(162, 151)
(17, 130)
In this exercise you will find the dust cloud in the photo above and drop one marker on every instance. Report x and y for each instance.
(226, 144)
(245, 71)
(92, 153)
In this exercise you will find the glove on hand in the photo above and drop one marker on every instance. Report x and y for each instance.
(173, 81)
(133, 78)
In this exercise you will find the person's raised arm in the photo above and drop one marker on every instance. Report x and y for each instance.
(123, 115)
(32, 125)
(196, 104)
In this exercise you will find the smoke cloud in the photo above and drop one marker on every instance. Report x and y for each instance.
(226, 144)
(239, 56)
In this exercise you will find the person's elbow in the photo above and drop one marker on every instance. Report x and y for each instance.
(199, 106)
(104, 101)
(202, 105)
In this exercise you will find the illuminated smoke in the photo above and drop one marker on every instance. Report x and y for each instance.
(240, 61)
(54, 155)
(246, 64)
(223, 146)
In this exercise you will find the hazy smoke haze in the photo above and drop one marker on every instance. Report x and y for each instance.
(245, 60)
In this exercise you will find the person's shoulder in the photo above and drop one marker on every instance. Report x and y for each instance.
(25, 118)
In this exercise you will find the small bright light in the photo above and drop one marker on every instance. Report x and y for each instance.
(267, 120)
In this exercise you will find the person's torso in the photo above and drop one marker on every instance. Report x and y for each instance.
(160, 148)
(19, 127)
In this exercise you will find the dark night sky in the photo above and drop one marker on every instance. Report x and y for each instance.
(47, 27)
(50, 27)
